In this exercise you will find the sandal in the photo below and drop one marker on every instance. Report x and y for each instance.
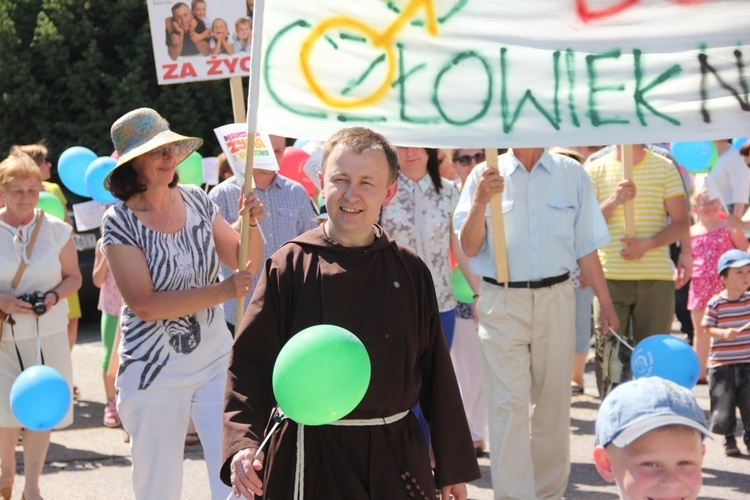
(576, 390)
(111, 417)
(191, 439)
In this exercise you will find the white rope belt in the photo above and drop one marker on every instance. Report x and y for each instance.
(299, 476)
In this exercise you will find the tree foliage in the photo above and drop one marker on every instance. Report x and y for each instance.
(69, 68)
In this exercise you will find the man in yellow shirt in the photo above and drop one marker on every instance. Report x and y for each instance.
(638, 270)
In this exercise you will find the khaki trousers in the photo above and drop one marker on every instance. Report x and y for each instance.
(528, 339)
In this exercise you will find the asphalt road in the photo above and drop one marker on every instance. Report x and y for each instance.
(90, 461)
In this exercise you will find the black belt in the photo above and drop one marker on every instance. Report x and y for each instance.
(543, 283)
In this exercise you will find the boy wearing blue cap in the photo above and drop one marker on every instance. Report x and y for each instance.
(727, 322)
(649, 440)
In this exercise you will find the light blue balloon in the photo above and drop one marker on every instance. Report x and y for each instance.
(72, 167)
(40, 398)
(739, 142)
(94, 178)
(300, 143)
(666, 357)
(694, 156)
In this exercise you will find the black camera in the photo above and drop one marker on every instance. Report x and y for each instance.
(36, 299)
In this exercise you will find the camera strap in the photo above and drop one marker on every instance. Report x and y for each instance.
(39, 359)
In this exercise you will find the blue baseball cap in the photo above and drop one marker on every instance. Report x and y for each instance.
(639, 406)
(733, 258)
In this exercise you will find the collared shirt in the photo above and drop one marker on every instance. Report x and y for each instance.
(419, 217)
(288, 213)
(551, 217)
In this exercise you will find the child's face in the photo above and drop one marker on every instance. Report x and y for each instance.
(660, 465)
(244, 31)
(219, 29)
(703, 206)
(737, 279)
(199, 11)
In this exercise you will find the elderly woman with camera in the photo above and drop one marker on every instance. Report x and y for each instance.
(38, 269)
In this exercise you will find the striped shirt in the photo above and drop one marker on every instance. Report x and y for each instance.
(725, 313)
(656, 181)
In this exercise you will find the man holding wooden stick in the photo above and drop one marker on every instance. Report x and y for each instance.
(527, 324)
(636, 261)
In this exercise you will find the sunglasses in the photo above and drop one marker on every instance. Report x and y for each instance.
(467, 160)
(164, 152)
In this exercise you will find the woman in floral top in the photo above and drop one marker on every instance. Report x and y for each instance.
(419, 217)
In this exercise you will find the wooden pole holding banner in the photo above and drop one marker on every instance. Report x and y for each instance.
(238, 99)
(498, 224)
(239, 114)
(626, 158)
(252, 127)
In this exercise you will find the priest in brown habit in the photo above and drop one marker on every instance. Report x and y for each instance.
(349, 273)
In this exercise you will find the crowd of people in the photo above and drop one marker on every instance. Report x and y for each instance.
(448, 375)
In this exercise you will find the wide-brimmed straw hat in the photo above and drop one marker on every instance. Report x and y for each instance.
(143, 130)
(570, 153)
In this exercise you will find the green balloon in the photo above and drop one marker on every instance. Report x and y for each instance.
(461, 288)
(51, 204)
(321, 374)
(191, 169)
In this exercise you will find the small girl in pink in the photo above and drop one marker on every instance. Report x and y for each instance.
(110, 304)
(710, 237)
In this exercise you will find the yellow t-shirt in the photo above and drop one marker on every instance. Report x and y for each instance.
(656, 180)
(74, 303)
(53, 188)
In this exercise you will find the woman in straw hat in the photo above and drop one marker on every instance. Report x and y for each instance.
(164, 242)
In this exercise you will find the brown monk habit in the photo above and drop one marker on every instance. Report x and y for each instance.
(384, 295)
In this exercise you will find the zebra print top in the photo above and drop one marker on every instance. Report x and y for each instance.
(178, 351)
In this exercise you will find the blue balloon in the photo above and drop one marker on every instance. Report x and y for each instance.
(694, 156)
(300, 143)
(72, 167)
(666, 357)
(739, 142)
(94, 178)
(40, 398)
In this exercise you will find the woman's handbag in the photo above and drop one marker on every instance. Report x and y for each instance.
(22, 268)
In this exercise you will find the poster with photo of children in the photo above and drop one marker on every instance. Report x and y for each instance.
(199, 40)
